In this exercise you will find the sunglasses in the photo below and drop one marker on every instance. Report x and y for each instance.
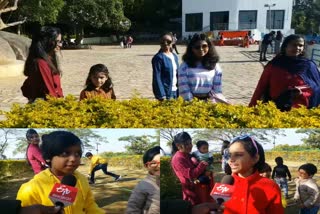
(153, 163)
(199, 47)
(244, 138)
(166, 41)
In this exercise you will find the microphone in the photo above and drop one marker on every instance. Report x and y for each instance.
(223, 191)
(64, 194)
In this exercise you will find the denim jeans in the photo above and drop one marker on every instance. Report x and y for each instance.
(103, 167)
(173, 95)
(312, 210)
(283, 184)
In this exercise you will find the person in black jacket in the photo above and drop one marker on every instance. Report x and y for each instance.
(14, 207)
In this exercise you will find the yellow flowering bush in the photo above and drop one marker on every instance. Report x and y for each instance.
(144, 113)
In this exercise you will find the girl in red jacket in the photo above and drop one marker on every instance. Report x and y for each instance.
(252, 194)
(186, 171)
(41, 67)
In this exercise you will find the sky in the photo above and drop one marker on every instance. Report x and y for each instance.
(111, 135)
(114, 145)
(291, 138)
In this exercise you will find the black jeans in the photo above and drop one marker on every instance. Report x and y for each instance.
(104, 169)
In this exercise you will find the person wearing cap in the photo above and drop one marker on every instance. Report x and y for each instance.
(98, 163)
(33, 154)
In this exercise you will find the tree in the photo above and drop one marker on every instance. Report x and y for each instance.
(4, 8)
(94, 13)
(87, 136)
(41, 11)
(139, 144)
(312, 138)
(168, 134)
(7, 138)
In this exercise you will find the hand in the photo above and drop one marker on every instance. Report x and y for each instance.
(40, 209)
(204, 162)
(205, 208)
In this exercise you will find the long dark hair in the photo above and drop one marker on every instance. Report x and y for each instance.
(42, 47)
(225, 145)
(107, 86)
(208, 61)
(180, 139)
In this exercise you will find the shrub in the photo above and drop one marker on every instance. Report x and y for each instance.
(11, 167)
(142, 113)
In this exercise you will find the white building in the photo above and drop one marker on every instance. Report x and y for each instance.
(256, 15)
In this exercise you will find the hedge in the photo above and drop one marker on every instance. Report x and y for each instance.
(144, 113)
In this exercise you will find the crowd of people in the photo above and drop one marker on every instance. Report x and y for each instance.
(289, 79)
(257, 188)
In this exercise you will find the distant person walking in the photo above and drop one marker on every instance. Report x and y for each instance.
(41, 67)
(289, 79)
(278, 41)
(34, 155)
(174, 43)
(267, 40)
(164, 66)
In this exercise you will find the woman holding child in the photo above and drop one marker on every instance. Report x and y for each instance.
(185, 170)
(289, 79)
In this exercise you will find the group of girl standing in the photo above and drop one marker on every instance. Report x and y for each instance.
(44, 74)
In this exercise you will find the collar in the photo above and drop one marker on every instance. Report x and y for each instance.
(250, 179)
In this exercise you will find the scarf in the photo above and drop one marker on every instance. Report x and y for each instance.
(306, 69)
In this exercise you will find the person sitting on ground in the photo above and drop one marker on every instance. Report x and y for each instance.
(97, 163)
(289, 79)
(145, 198)
(98, 83)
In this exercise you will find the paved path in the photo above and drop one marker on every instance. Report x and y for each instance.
(132, 73)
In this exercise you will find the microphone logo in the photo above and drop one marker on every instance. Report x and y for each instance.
(222, 188)
(63, 190)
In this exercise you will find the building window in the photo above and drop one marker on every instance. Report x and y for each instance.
(219, 20)
(247, 19)
(194, 22)
(276, 18)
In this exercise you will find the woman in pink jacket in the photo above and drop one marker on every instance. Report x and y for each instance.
(34, 156)
(185, 170)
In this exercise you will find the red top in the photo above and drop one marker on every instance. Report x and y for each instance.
(254, 195)
(275, 80)
(35, 158)
(186, 171)
(41, 83)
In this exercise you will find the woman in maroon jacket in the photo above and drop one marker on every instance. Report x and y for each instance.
(185, 170)
(41, 67)
(290, 80)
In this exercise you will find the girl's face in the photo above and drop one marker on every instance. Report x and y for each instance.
(153, 166)
(204, 149)
(200, 49)
(67, 162)
(240, 160)
(59, 43)
(99, 79)
(34, 139)
(165, 43)
(303, 174)
(186, 147)
(295, 47)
